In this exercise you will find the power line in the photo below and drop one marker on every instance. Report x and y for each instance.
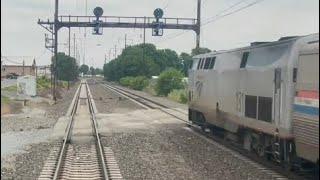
(228, 8)
(232, 12)
(166, 5)
(217, 17)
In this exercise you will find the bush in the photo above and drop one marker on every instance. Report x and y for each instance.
(151, 87)
(43, 83)
(136, 83)
(178, 95)
(169, 80)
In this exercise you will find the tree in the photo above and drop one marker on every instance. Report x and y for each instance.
(169, 80)
(84, 69)
(99, 71)
(67, 68)
(133, 63)
(186, 61)
(197, 51)
(92, 71)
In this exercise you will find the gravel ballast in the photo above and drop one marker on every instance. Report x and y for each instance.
(26, 165)
(110, 102)
(172, 152)
(36, 117)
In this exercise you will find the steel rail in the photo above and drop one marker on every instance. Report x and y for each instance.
(97, 136)
(71, 112)
(66, 138)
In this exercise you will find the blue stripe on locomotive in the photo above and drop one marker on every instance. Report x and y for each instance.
(314, 111)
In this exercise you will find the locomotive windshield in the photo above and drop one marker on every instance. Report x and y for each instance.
(266, 55)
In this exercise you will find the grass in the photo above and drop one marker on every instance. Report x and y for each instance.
(5, 100)
(63, 84)
(151, 87)
(10, 88)
(43, 83)
(178, 95)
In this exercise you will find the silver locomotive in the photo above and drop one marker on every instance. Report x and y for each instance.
(265, 96)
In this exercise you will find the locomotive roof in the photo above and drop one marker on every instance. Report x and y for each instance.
(254, 45)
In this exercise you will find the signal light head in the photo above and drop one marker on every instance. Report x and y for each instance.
(98, 11)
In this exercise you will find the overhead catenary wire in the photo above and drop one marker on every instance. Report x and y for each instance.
(227, 9)
(213, 19)
(166, 5)
(218, 16)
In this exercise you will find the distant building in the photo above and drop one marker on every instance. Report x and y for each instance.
(20, 70)
(43, 71)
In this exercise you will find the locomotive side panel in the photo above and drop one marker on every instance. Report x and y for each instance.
(306, 104)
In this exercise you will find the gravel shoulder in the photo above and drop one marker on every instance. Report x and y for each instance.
(171, 152)
(27, 165)
(110, 102)
(36, 116)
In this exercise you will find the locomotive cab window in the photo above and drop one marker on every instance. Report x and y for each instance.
(265, 109)
(202, 62)
(244, 59)
(259, 108)
(212, 63)
(199, 63)
(251, 106)
(207, 63)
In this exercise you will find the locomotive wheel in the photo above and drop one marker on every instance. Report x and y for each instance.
(260, 150)
(203, 128)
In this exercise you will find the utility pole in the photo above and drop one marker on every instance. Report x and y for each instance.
(69, 41)
(198, 25)
(144, 38)
(23, 68)
(85, 36)
(55, 49)
(109, 54)
(74, 45)
(115, 51)
(125, 41)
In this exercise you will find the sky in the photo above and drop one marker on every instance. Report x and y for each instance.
(267, 20)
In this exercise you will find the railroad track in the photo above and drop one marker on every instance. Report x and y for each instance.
(275, 171)
(80, 155)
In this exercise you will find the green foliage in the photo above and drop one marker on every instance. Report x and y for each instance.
(43, 83)
(132, 62)
(151, 87)
(197, 51)
(187, 62)
(84, 69)
(67, 68)
(5, 100)
(10, 88)
(92, 71)
(136, 83)
(178, 95)
(99, 71)
(63, 84)
(169, 80)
